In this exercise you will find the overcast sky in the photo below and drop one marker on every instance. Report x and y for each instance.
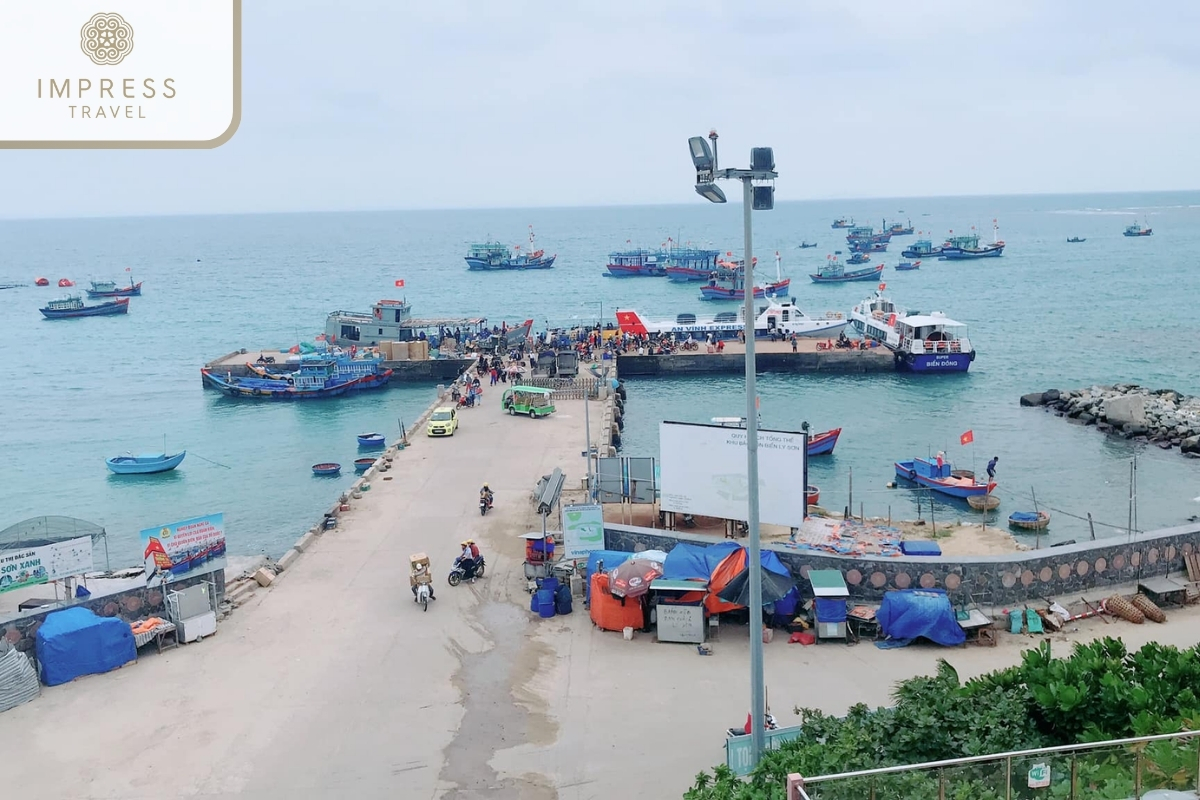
(449, 103)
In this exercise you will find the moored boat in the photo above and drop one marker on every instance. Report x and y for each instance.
(1138, 230)
(363, 464)
(778, 318)
(637, 263)
(867, 234)
(728, 283)
(74, 306)
(875, 318)
(493, 256)
(812, 495)
(835, 272)
(939, 478)
(842, 222)
(1029, 520)
(931, 343)
(317, 377)
(858, 258)
(390, 321)
(863, 246)
(807, 245)
(899, 230)
(922, 248)
(820, 444)
(1075, 240)
(110, 289)
(144, 464)
(905, 266)
(965, 248)
(326, 468)
(371, 440)
(686, 264)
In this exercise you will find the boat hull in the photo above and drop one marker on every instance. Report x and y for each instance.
(123, 465)
(1141, 233)
(239, 391)
(128, 291)
(904, 470)
(483, 265)
(955, 254)
(779, 289)
(823, 443)
(103, 310)
(935, 362)
(651, 271)
(911, 253)
(687, 274)
(869, 274)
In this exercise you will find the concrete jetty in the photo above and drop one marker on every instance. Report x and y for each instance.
(431, 369)
(769, 357)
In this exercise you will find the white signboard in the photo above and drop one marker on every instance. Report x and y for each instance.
(704, 473)
(680, 623)
(34, 565)
(583, 530)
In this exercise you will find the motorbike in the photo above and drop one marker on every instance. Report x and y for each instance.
(485, 503)
(458, 571)
(422, 596)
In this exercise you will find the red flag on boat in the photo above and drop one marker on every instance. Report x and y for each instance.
(967, 437)
(400, 283)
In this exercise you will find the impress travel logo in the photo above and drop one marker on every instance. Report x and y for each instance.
(76, 76)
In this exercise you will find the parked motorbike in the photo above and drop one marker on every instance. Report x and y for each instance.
(458, 572)
(422, 596)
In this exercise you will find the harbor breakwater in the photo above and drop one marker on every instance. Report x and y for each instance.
(1162, 416)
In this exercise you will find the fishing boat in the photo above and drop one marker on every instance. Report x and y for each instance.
(318, 377)
(326, 468)
(1138, 230)
(868, 235)
(820, 444)
(391, 321)
(842, 223)
(258, 370)
(363, 464)
(835, 272)
(110, 289)
(371, 440)
(807, 245)
(863, 246)
(964, 248)
(637, 263)
(899, 230)
(728, 283)
(905, 266)
(1075, 240)
(774, 318)
(686, 264)
(493, 256)
(858, 258)
(1029, 520)
(74, 306)
(922, 248)
(940, 478)
(144, 464)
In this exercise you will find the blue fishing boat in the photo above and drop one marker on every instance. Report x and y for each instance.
(729, 283)
(899, 230)
(1075, 240)
(637, 263)
(492, 256)
(868, 235)
(858, 258)
(144, 464)
(363, 464)
(807, 245)
(905, 266)
(922, 248)
(110, 289)
(326, 468)
(371, 440)
(70, 307)
(835, 272)
(939, 476)
(965, 248)
(316, 378)
(687, 264)
(863, 246)
(820, 444)
(1138, 230)
(842, 223)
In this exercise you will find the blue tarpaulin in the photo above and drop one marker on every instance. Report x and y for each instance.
(911, 613)
(76, 642)
(692, 562)
(831, 609)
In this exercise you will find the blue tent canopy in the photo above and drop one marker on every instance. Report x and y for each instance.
(693, 562)
(911, 613)
(76, 642)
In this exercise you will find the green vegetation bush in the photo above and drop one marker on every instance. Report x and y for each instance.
(1100, 692)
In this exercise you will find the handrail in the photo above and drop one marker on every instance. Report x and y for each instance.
(953, 762)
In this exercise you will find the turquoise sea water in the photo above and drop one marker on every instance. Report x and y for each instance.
(1047, 314)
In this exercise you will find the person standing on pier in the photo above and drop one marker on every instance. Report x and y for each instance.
(793, 338)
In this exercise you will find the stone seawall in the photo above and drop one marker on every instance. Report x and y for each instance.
(1162, 416)
(1054, 572)
(676, 364)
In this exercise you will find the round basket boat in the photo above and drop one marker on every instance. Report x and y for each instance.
(371, 440)
(983, 502)
(326, 468)
(814, 495)
(363, 464)
(1029, 521)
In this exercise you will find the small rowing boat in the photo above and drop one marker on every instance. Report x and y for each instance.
(371, 440)
(326, 468)
(1029, 520)
(144, 464)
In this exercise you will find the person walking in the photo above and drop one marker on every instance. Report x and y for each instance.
(793, 342)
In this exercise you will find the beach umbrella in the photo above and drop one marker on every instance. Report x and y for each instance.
(632, 579)
(774, 587)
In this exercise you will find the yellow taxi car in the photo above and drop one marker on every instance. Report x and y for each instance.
(443, 422)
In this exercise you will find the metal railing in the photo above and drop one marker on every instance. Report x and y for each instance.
(1120, 768)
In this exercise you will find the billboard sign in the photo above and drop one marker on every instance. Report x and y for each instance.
(191, 547)
(31, 566)
(583, 530)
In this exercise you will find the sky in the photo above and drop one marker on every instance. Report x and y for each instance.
(398, 104)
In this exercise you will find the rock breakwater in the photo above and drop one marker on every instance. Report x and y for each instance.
(1162, 416)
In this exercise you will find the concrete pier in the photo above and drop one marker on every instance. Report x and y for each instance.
(428, 370)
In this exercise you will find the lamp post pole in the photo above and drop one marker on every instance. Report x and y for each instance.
(757, 694)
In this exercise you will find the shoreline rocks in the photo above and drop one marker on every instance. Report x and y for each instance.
(1162, 416)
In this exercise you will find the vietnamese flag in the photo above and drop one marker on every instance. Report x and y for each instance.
(400, 284)
(967, 437)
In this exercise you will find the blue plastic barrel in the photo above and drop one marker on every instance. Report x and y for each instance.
(549, 584)
(545, 603)
(562, 600)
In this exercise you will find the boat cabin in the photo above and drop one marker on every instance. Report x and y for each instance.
(634, 258)
(313, 375)
(932, 333)
(66, 304)
(391, 321)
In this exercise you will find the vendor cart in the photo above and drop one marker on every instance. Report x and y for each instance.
(540, 561)
(831, 594)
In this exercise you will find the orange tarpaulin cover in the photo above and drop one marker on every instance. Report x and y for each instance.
(611, 613)
(729, 568)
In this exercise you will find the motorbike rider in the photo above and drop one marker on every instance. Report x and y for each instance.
(474, 550)
(486, 494)
(467, 560)
(420, 576)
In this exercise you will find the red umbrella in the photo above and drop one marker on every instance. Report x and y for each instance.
(632, 579)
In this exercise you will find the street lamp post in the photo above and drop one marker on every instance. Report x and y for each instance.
(758, 193)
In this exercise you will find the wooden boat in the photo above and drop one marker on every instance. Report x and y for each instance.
(144, 464)
(813, 495)
(820, 444)
(371, 440)
(363, 464)
(983, 502)
(807, 245)
(70, 307)
(1138, 230)
(1075, 240)
(110, 289)
(842, 222)
(905, 266)
(326, 468)
(940, 478)
(834, 272)
(1029, 520)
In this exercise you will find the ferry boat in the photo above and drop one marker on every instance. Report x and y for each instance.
(686, 264)
(637, 263)
(963, 248)
(110, 289)
(1138, 230)
(922, 248)
(317, 377)
(729, 283)
(74, 306)
(491, 256)
(774, 317)
(835, 272)
(931, 343)
(842, 223)
(389, 321)
(899, 230)
(875, 318)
